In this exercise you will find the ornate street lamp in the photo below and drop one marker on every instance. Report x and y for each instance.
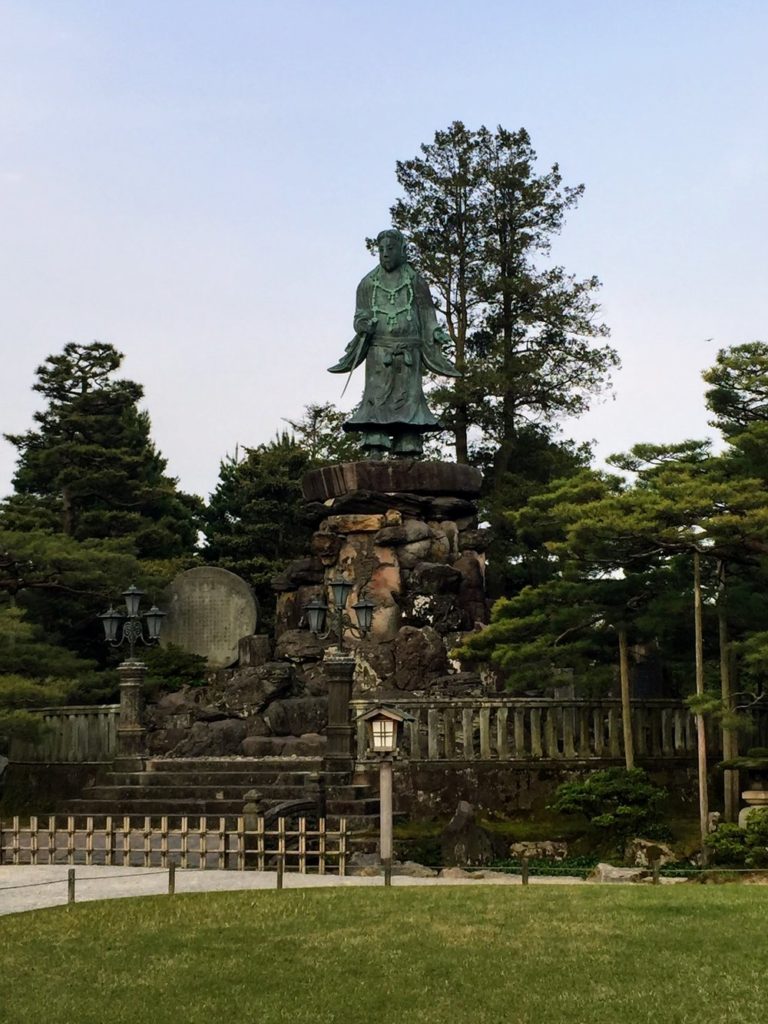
(127, 627)
(317, 610)
(383, 728)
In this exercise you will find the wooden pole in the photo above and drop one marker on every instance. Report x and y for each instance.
(730, 777)
(701, 736)
(385, 817)
(626, 699)
(71, 886)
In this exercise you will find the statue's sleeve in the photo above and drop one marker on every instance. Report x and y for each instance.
(363, 311)
(431, 351)
(356, 350)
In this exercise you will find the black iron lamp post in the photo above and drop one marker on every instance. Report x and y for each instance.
(317, 611)
(383, 727)
(126, 627)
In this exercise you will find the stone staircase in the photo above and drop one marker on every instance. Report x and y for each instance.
(222, 786)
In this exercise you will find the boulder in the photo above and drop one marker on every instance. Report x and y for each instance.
(299, 645)
(326, 547)
(475, 540)
(419, 654)
(250, 690)
(413, 870)
(254, 650)
(433, 578)
(262, 746)
(472, 600)
(300, 572)
(456, 873)
(543, 849)
(212, 739)
(367, 865)
(364, 502)
(311, 744)
(298, 716)
(644, 852)
(374, 666)
(608, 873)
(463, 841)
(408, 532)
(441, 612)
(450, 507)
(353, 523)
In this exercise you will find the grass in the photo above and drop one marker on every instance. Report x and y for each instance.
(485, 955)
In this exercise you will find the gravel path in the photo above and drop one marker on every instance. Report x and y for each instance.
(33, 888)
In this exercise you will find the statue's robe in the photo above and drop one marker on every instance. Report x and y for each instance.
(396, 353)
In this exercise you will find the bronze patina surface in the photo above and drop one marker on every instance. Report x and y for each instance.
(398, 338)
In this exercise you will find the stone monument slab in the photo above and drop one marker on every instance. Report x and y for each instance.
(209, 611)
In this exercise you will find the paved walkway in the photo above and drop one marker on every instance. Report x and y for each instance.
(33, 888)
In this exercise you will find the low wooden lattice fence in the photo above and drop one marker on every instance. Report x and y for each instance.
(246, 842)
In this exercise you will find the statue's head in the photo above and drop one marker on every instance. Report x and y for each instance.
(392, 248)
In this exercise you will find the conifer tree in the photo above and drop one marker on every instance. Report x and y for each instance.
(526, 335)
(255, 522)
(90, 469)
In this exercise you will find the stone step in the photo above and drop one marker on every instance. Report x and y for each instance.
(234, 764)
(184, 791)
(140, 805)
(205, 778)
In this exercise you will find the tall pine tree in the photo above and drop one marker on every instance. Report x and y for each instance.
(90, 469)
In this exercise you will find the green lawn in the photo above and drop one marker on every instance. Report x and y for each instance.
(488, 955)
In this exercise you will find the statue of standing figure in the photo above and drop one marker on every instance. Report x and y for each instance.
(398, 336)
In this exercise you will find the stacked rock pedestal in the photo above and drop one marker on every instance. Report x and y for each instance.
(405, 534)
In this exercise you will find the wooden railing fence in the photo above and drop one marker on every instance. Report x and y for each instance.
(505, 728)
(201, 842)
(73, 734)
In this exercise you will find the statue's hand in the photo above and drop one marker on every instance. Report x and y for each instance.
(441, 337)
(366, 325)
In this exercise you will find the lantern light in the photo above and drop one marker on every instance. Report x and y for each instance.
(110, 620)
(154, 619)
(341, 589)
(316, 611)
(383, 732)
(363, 609)
(133, 598)
(383, 725)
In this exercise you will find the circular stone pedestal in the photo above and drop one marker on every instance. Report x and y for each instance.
(406, 476)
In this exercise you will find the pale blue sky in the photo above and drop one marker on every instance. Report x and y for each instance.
(193, 181)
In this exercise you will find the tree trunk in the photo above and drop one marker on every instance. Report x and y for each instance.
(460, 431)
(66, 512)
(626, 699)
(701, 735)
(730, 743)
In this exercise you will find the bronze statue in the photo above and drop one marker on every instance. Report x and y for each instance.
(398, 337)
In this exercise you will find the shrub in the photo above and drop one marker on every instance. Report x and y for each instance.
(747, 846)
(622, 802)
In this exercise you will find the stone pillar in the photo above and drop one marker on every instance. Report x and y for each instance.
(340, 668)
(131, 736)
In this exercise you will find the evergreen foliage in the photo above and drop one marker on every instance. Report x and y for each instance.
(90, 470)
(255, 522)
(622, 802)
(480, 220)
